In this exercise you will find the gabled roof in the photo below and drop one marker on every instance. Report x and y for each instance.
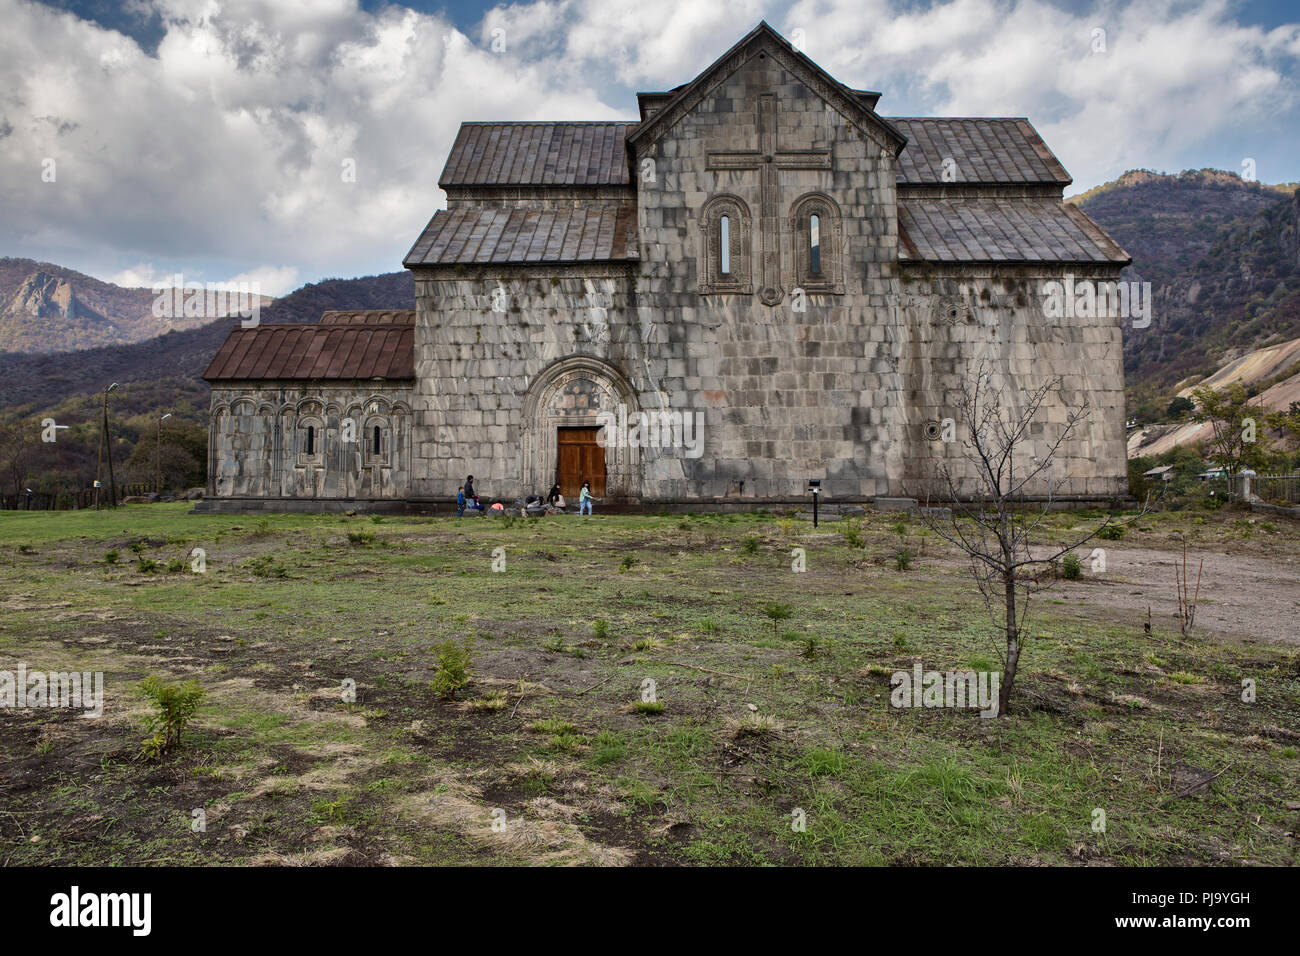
(538, 154)
(1001, 230)
(991, 149)
(763, 39)
(300, 352)
(591, 232)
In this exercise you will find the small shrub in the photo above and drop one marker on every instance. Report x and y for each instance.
(750, 545)
(175, 565)
(146, 565)
(137, 547)
(1071, 567)
(174, 707)
(1111, 532)
(649, 707)
(776, 613)
(330, 810)
(903, 560)
(600, 629)
(453, 662)
(709, 626)
(26, 549)
(809, 648)
(110, 557)
(628, 562)
(851, 532)
(361, 539)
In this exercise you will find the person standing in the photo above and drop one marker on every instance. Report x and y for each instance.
(584, 499)
(460, 502)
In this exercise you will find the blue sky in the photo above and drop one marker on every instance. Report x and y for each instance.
(207, 137)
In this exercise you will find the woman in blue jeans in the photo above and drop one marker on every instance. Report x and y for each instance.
(584, 499)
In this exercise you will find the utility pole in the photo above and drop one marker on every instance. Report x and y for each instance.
(105, 446)
(158, 453)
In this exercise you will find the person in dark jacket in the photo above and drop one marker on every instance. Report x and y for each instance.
(471, 496)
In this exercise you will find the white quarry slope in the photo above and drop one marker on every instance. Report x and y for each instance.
(1255, 366)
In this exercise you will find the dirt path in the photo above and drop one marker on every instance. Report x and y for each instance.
(1240, 595)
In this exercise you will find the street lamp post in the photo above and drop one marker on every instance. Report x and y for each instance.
(815, 486)
(157, 454)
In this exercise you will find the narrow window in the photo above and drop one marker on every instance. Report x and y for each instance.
(311, 440)
(815, 245)
(376, 441)
(724, 231)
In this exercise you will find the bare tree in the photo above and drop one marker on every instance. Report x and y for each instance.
(15, 455)
(997, 501)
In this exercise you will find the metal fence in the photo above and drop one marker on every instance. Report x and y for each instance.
(1278, 489)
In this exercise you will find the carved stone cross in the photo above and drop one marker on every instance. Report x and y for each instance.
(768, 159)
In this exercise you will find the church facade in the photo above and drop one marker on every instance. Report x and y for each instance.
(760, 282)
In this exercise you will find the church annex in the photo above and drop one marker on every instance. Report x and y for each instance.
(794, 285)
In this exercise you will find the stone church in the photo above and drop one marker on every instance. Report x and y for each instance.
(759, 282)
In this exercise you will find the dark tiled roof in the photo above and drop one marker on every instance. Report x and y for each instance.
(1001, 230)
(368, 317)
(993, 150)
(538, 154)
(592, 232)
(315, 352)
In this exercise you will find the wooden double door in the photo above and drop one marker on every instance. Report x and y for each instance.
(579, 459)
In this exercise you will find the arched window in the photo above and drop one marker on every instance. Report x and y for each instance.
(311, 440)
(724, 264)
(814, 245)
(818, 240)
(724, 235)
(376, 440)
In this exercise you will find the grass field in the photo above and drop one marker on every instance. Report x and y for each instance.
(551, 755)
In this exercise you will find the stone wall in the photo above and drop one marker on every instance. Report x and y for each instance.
(956, 325)
(258, 440)
(837, 384)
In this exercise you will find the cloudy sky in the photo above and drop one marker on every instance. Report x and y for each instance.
(212, 137)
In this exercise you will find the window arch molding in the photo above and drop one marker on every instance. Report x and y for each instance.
(737, 277)
(383, 454)
(830, 246)
(310, 434)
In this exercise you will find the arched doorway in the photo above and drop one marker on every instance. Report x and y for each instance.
(562, 419)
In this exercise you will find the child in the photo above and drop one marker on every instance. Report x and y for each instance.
(460, 502)
(584, 499)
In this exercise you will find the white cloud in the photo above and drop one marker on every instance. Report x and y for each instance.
(227, 151)
(1172, 77)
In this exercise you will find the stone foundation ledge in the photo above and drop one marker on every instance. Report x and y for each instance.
(840, 507)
